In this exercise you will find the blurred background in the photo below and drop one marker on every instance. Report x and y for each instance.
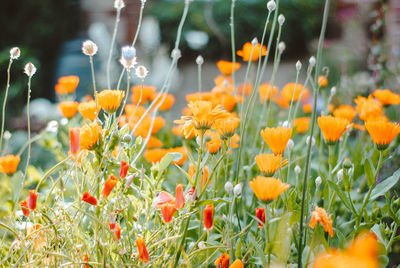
(361, 35)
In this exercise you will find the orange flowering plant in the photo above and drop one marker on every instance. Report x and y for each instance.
(241, 178)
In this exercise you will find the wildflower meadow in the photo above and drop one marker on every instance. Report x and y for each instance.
(248, 175)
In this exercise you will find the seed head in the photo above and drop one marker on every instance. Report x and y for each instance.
(290, 145)
(228, 187)
(271, 5)
(312, 61)
(318, 181)
(281, 47)
(30, 69)
(297, 169)
(119, 4)
(15, 53)
(199, 60)
(89, 48)
(333, 91)
(281, 19)
(237, 190)
(298, 65)
(141, 72)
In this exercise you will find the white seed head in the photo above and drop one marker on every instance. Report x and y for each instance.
(52, 126)
(199, 60)
(298, 65)
(281, 47)
(333, 91)
(281, 19)
(176, 53)
(254, 42)
(202, 245)
(15, 53)
(141, 72)
(237, 190)
(228, 187)
(128, 63)
(271, 5)
(308, 141)
(340, 175)
(318, 181)
(290, 144)
(119, 4)
(89, 48)
(285, 124)
(7, 135)
(29, 69)
(297, 169)
(312, 61)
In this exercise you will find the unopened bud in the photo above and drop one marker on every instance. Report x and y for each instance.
(281, 47)
(128, 52)
(271, 5)
(202, 245)
(237, 190)
(340, 175)
(129, 180)
(290, 145)
(298, 65)
(308, 141)
(318, 181)
(254, 42)
(281, 19)
(312, 61)
(30, 69)
(333, 91)
(89, 48)
(119, 4)
(7, 135)
(297, 169)
(285, 124)
(228, 187)
(347, 163)
(176, 53)
(199, 60)
(15, 53)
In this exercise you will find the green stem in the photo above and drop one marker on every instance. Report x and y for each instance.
(232, 26)
(3, 114)
(94, 84)
(117, 19)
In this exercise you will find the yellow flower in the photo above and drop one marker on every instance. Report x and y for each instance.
(266, 91)
(227, 67)
(88, 109)
(368, 108)
(276, 138)
(267, 188)
(333, 127)
(382, 133)
(9, 163)
(110, 99)
(293, 90)
(68, 109)
(386, 97)
(345, 111)
(301, 124)
(245, 53)
(269, 163)
(226, 127)
(89, 135)
(319, 215)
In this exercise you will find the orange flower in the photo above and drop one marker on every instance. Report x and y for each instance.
(362, 252)
(227, 67)
(269, 163)
(267, 91)
(124, 169)
(167, 211)
(182, 151)
(155, 155)
(153, 142)
(9, 163)
(276, 138)
(319, 215)
(222, 261)
(333, 128)
(168, 101)
(179, 197)
(301, 124)
(88, 110)
(322, 81)
(25, 208)
(386, 97)
(307, 108)
(110, 99)
(229, 101)
(280, 101)
(116, 230)
(67, 84)
(260, 214)
(245, 53)
(247, 89)
(32, 199)
(89, 135)
(226, 127)
(382, 133)
(208, 216)
(68, 109)
(214, 144)
(345, 111)
(163, 198)
(74, 140)
(88, 198)
(267, 188)
(38, 235)
(237, 264)
(109, 185)
(143, 253)
(293, 90)
(204, 174)
(368, 108)
(141, 94)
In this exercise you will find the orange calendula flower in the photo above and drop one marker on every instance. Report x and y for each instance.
(88, 198)
(67, 84)
(167, 100)
(226, 127)
(267, 188)
(345, 111)
(260, 214)
(227, 67)
(247, 50)
(9, 163)
(208, 216)
(88, 109)
(68, 109)
(109, 185)
(247, 89)
(276, 138)
(32, 200)
(368, 108)
(167, 211)
(382, 133)
(362, 252)
(89, 135)
(222, 261)
(269, 163)
(266, 91)
(214, 144)
(237, 264)
(301, 124)
(319, 215)
(74, 145)
(110, 99)
(142, 94)
(179, 197)
(322, 81)
(293, 90)
(307, 108)
(386, 97)
(142, 250)
(25, 208)
(333, 127)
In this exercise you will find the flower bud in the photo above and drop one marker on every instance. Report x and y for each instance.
(119, 4)
(89, 48)
(281, 47)
(333, 91)
(179, 197)
(32, 199)
(312, 61)
(228, 187)
(347, 163)
(318, 181)
(176, 53)
(208, 216)
(129, 180)
(237, 190)
(285, 124)
(30, 69)
(260, 214)
(281, 19)
(15, 52)
(308, 141)
(123, 169)
(290, 144)
(271, 5)
(141, 72)
(7, 135)
(298, 65)
(297, 169)
(254, 42)
(199, 60)
(340, 175)
(202, 245)
(74, 144)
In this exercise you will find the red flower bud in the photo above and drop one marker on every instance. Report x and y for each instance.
(143, 253)
(208, 216)
(32, 199)
(74, 145)
(116, 229)
(167, 211)
(260, 213)
(89, 199)
(25, 209)
(179, 198)
(124, 169)
(109, 185)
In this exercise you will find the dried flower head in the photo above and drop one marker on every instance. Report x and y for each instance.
(200, 60)
(29, 69)
(141, 72)
(89, 48)
(271, 5)
(119, 4)
(15, 52)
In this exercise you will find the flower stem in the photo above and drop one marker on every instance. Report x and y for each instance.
(117, 19)
(3, 114)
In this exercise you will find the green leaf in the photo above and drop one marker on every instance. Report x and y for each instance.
(212, 201)
(167, 159)
(341, 194)
(369, 172)
(385, 186)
